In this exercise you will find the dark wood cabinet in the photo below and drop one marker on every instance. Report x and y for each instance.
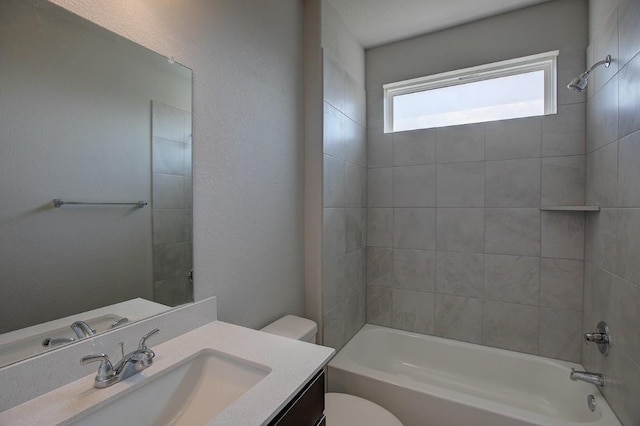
(306, 408)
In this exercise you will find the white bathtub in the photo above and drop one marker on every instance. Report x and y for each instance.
(430, 381)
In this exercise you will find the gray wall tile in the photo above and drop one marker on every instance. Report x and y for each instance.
(629, 98)
(414, 147)
(460, 230)
(173, 291)
(414, 269)
(458, 144)
(561, 283)
(334, 286)
(625, 297)
(460, 185)
(380, 306)
(379, 148)
(563, 235)
(168, 226)
(602, 176)
(167, 122)
(512, 279)
(353, 99)
(458, 318)
(333, 325)
(629, 173)
(169, 261)
(379, 227)
(355, 185)
(512, 231)
(355, 142)
(510, 326)
(513, 183)
(380, 187)
(563, 181)
(168, 156)
(564, 133)
(334, 182)
(333, 82)
(355, 229)
(606, 43)
(168, 191)
(356, 314)
(333, 233)
(629, 29)
(624, 387)
(413, 311)
(628, 244)
(354, 271)
(414, 228)
(380, 267)
(460, 274)
(602, 116)
(511, 139)
(414, 186)
(601, 238)
(561, 334)
(333, 132)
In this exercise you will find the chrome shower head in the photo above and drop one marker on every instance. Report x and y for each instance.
(579, 84)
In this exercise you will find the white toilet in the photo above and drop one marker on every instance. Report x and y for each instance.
(340, 409)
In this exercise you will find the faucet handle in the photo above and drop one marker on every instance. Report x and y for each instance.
(143, 342)
(105, 370)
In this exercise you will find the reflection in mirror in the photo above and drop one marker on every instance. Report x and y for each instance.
(87, 116)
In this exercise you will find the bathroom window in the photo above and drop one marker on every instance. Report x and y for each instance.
(514, 88)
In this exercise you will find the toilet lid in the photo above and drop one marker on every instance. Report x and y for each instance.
(348, 410)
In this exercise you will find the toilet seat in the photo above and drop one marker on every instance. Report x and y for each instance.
(348, 410)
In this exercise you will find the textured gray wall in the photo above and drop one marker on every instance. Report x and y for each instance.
(457, 246)
(612, 270)
(248, 129)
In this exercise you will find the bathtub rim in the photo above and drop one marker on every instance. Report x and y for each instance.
(342, 362)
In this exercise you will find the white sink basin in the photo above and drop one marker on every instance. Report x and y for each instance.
(190, 393)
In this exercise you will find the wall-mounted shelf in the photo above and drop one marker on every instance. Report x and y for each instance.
(571, 208)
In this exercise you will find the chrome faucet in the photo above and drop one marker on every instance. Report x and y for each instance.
(82, 329)
(130, 364)
(586, 376)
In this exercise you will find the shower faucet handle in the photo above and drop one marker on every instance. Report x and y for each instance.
(601, 337)
(596, 337)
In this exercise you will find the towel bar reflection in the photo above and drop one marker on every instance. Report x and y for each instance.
(57, 202)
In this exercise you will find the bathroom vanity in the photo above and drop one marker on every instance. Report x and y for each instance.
(217, 374)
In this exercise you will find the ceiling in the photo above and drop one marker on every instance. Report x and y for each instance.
(377, 22)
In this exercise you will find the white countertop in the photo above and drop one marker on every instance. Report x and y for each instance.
(292, 364)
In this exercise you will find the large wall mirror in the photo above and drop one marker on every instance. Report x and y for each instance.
(88, 117)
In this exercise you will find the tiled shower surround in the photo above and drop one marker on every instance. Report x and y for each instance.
(344, 202)
(456, 243)
(172, 204)
(612, 249)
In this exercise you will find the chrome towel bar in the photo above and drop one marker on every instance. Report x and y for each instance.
(57, 202)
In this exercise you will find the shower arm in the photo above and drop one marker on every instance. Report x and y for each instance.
(606, 62)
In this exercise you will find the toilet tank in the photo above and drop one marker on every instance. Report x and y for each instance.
(294, 327)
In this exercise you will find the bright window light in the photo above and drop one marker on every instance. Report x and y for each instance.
(516, 88)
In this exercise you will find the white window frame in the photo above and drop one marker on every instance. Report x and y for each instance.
(546, 62)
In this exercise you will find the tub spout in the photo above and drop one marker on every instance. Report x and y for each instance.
(586, 376)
